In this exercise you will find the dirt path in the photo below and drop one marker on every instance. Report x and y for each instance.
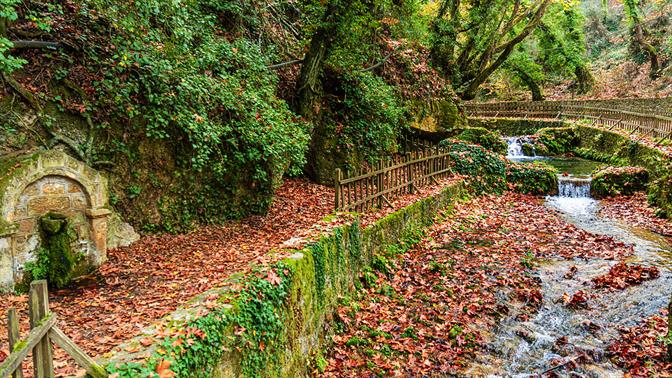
(142, 283)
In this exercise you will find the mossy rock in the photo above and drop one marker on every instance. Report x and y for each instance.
(537, 178)
(438, 119)
(614, 181)
(529, 149)
(56, 261)
(487, 139)
(558, 140)
(660, 195)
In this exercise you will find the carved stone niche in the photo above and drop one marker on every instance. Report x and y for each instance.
(47, 182)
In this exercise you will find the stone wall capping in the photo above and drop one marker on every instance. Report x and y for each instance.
(98, 213)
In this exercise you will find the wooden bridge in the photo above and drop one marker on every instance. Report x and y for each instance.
(655, 123)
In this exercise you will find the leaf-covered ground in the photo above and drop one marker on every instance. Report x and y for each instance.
(635, 211)
(425, 311)
(641, 350)
(144, 282)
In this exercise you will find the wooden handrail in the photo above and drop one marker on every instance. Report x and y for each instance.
(653, 124)
(43, 332)
(369, 189)
(23, 347)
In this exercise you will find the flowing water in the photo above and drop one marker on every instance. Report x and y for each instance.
(515, 149)
(521, 349)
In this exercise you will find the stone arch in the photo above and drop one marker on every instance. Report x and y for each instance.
(50, 181)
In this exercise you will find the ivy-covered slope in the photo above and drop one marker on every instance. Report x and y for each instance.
(174, 99)
(186, 106)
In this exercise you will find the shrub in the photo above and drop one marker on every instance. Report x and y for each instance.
(490, 140)
(614, 181)
(488, 172)
(536, 178)
(485, 171)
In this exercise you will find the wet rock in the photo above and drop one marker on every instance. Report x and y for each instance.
(526, 334)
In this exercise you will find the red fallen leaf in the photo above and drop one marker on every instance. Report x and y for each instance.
(623, 275)
(163, 369)
(146, 341)
(273, 278)
(578, 300)
(262, 346)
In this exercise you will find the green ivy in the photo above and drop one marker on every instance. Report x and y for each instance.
(258, 318)
(485, 171)
(8, 63)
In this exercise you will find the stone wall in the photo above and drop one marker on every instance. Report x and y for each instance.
(49, 181)
(317, 277)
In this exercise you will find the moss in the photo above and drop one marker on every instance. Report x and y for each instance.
(514, 127)
(557, 140)
(487, 139)
(616, 149)
(293, 318)
(56, 262)
(537, 178)
(614, 181)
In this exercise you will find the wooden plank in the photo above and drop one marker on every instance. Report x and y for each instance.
(337, 187)
(38, 307)
(13, 336)
(35, 336)
(63, 341)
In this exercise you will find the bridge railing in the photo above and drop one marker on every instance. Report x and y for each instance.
(649, 125)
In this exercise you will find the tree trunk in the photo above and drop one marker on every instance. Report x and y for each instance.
(469, 93)
(537, 94)
(584, 79)
(649, 49)
(309, 85)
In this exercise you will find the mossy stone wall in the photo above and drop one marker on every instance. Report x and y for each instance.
(514, 127)
(316, 278)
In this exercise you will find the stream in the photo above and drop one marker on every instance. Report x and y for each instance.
(529, 348)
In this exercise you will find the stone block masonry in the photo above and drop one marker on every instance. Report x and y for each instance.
(49, 181)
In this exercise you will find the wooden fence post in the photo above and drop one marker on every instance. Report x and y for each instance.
(337, 186)
(380, 184)
(410, 173)
(13, 331)
(38, 307)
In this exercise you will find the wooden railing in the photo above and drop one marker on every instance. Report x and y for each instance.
(42, 333)
(401, 175)
(648, 125)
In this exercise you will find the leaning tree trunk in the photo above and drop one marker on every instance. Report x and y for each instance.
(537, 94)
(649, 49)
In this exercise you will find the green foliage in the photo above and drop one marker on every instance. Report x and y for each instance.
(8, 63)
(614, 181)
(368, 117)
(536, 178)
(490, 140)
(197, 352)
(485, 171)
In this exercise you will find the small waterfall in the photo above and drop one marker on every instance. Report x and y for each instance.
(574, 187)
(515, 148)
